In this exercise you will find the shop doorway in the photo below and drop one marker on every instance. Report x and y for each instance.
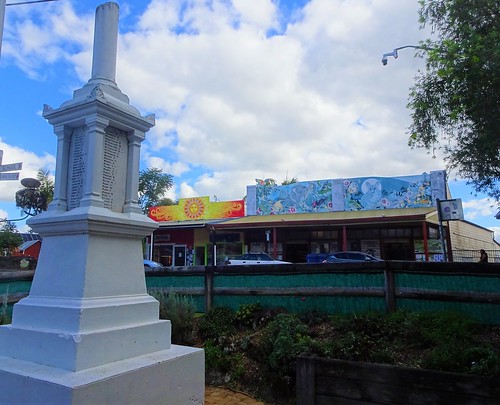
(296, 252)
(179, 255)
(398, 250)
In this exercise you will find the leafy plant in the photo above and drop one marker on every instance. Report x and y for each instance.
(217, 325)
(247, 313)
(180, 310)
(4, 313)
(284, 339)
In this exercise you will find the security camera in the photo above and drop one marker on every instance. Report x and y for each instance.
(384, 60)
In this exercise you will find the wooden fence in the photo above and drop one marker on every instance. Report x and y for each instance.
(472, 288)
(322, 381)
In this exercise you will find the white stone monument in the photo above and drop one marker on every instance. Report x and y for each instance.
(88, 333)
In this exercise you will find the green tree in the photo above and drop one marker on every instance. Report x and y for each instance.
(153, 184)
(46, 184)
(455, 102)
(35, 199)
(288, 181)
(10, 239)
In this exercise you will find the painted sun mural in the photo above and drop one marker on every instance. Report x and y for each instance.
(196, 208)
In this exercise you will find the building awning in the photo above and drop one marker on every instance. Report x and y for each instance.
(202, 223)
(428, 214)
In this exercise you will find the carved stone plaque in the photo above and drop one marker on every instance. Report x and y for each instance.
(77, 166)
(115, 169)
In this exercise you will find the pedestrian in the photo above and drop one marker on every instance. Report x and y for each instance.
(484, 256)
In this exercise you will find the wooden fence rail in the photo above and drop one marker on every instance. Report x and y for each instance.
(322, 381)
(473, 288)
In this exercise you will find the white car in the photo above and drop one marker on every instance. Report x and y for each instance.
(254, 258)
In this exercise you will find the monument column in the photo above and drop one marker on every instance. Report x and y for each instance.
(134, 149)
(59, 202)
(94, 132)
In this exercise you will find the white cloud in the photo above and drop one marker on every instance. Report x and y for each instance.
(496, 229)
(479, 207)
(31, 163)
(234, 104)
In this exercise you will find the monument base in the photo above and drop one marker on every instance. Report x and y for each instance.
(170, 377)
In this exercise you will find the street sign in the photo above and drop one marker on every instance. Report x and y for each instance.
(11, 167)
(9, 176)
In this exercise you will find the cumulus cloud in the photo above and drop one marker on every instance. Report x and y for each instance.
(31, 163)
(241, 90)
(479, 207)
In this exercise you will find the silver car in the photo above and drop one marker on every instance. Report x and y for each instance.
(350, 257)
(254, 258)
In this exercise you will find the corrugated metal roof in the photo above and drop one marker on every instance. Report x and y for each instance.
(28, 244)
(340, 217)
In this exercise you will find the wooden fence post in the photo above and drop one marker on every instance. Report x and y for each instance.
(305, 386)
(390, 289)
(209, 287)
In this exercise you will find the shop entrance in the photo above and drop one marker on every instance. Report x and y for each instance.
(398, 250)
(296, 252)
(179, 255)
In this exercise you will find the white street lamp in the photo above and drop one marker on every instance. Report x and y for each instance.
(394, 53)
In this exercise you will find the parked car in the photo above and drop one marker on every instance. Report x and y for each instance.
(254, 258)
(151, 265)
(350, 257)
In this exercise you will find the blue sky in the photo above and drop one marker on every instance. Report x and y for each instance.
(241, 90)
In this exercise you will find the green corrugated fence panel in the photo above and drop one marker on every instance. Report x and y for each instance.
(447, 282)
(300, 280)
(195, 281)
(14, 287)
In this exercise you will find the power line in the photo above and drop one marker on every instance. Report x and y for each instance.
(29, 2)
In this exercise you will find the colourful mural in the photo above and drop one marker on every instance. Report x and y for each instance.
(375, 193)
(198, 208)
(311, 196)
(361, 193)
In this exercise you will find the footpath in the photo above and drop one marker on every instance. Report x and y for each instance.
(223, 396)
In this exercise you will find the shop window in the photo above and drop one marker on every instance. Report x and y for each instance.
(199, 255)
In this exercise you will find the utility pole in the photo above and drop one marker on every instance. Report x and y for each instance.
(2, 18)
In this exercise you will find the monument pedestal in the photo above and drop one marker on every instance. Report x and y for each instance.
(168, 377)
(88, 333)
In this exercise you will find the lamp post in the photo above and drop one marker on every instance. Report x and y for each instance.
(395, 55)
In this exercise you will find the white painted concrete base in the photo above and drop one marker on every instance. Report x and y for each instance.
(170, 377)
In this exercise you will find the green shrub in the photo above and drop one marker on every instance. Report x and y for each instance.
(5, 317)
(180, 310)
(440, 328)
(283, 340)
(216, 358)
(247, 313)
(217, 325)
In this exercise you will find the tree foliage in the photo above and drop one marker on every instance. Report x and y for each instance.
(46, 184)
(10, 239)
(153, 184)
(455, 103)
(34, 200)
